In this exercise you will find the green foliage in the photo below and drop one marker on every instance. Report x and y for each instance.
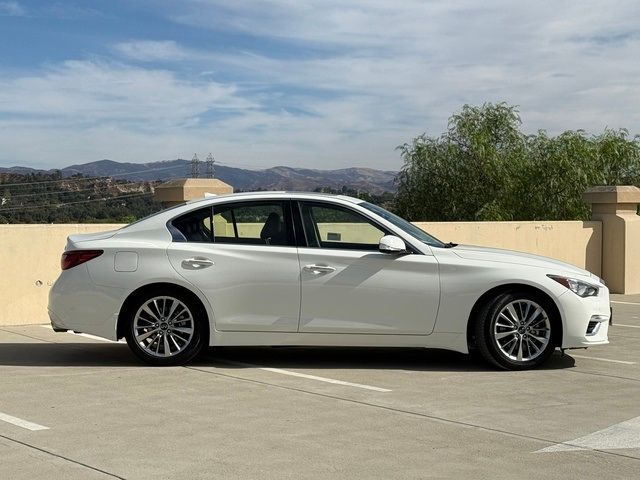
(484, 168)
(383, 199)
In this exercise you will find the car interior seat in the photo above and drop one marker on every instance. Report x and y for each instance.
(273, 232)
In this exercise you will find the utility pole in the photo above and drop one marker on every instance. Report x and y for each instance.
(195, 166)
(211, 168)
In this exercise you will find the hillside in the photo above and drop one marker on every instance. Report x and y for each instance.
(275, 178)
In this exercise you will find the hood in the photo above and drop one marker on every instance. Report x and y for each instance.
(488, 254)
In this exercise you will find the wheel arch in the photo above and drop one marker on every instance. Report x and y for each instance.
(150, 288)
(513, 287)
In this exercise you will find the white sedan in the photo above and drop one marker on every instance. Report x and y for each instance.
(278, 268)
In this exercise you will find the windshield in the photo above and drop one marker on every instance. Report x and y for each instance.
(403, 225)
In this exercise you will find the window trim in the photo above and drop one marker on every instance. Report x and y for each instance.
(233, 220)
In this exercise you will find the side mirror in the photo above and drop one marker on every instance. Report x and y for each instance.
(392, 244)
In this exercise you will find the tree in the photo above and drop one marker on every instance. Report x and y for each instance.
(484, 168)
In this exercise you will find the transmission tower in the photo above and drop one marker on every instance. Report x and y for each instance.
(195, 166)
(211, 168)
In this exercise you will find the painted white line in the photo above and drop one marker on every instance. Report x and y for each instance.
(21, 423)
(627, 326)
(624, 303)
(621, 435)
(309, 377)
(86, 335)
(624, 362)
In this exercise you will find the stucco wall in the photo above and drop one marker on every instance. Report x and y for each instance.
(29, 264)
(30, 254)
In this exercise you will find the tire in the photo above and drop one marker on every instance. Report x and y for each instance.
(165, 327)
(517, 331)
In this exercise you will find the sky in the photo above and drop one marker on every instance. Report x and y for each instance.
(304, 83)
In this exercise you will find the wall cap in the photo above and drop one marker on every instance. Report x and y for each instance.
(183, 189)
(612, 194)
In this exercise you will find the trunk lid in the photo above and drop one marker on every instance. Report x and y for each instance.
(74, 240)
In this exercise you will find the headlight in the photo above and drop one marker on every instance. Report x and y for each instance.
(580, 288)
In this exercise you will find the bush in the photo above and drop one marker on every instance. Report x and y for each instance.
(484, 168)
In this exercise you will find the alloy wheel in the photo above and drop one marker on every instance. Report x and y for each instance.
(163, 326)
(522, 330)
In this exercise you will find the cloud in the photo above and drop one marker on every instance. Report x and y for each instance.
(12, 9)
(568, 65)
(325, 83)
(89, 92)
(152, 51)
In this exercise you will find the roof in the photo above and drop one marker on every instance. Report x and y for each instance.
(279, 194)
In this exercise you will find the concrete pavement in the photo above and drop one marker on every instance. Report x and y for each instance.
(316, 412)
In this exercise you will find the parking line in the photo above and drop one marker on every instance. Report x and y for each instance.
(627, 326)
(19, 422)
(624, 303)
(309, 377)
(624, 362)
(623, 435)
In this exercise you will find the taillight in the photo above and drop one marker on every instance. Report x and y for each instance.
(73, 258)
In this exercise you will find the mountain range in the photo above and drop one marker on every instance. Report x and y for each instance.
(275, 178)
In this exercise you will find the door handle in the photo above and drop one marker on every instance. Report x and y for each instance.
(317, 269)
(197, 263)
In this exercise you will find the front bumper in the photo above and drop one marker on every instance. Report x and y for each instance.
(577, 313)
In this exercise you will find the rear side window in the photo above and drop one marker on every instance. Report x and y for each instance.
(194, 226)
(247, 223)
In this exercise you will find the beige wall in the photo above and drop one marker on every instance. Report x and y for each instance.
(30, 254)
(29, 264)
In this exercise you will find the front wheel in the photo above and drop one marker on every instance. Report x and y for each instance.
(516, 331)
(165, 328)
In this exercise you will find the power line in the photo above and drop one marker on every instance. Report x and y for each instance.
(236, 165)
(83, 179)
(58, 205)
(60, 192)
(87, 179)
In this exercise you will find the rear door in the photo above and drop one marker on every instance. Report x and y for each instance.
(243, 257)
(348, 286)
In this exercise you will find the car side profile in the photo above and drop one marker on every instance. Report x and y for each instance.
(283, 268)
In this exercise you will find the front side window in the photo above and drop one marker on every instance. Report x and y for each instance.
(333, 226)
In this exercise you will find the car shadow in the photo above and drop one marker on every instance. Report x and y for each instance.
(108, 355)
(375, 358)
(67, 354)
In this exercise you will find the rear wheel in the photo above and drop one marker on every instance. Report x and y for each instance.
(516, 331)
(165, 328)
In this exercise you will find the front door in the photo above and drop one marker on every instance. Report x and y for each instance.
(348, 286)
(242, 256)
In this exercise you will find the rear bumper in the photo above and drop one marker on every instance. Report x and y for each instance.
(76, 303)
(56, 323)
